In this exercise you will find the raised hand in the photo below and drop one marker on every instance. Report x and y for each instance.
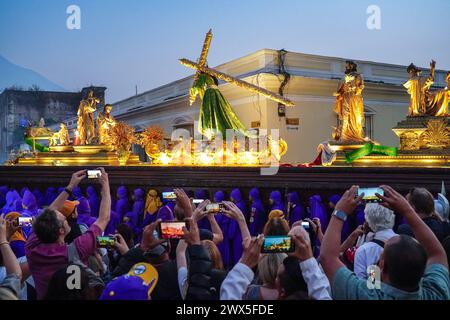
(184, 202)
(232, 211)
(252, 252)
(149, 241)
(191, 235)
(349, 201)
(394, 201)
(200, 212)
(76, 178)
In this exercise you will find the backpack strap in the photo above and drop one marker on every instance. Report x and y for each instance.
(72, 254)
(378, 242)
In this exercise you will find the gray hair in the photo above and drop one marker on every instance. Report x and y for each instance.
(268, 267)
(378, 217)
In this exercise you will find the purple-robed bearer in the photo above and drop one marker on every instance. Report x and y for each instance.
(3, 191)
(10, 203)
(50, 196)
(122, 204)
(223, 221)
(77, 193)
(39, 197)
(202, 194)
(332, 201)
(84, 213)
(257, 215)
(234, 233)
(276, 201)
(318, 210)
(114, 220)
(29, 204)
(94, 200)
(132, 217)
(296, 209)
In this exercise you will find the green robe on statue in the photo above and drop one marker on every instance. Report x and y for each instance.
(216, 113)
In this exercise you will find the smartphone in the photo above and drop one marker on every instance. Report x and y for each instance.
(277, 244)
(169, 195)
(215, 207)
(105, 241)
(369, 194)
(171, 230)
(24, 221)
(94, 174)
(197, 201)
(305, 225)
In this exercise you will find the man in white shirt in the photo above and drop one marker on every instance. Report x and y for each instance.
(381, 221)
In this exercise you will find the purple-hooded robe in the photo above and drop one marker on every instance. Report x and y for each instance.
(165, 213)
(94, 200)
(29, 204)
(3, 191)
(234, 233)
(334, 199)
(77, 193)
(277, 201)
(122, 204)
(297, 211)
(12, 197)
(223, 221)
(257, 215)
(114, 220)
(50, 196)
(138, 209)
(318, 210)
(202, 194)
(84, 213)
(39, 197)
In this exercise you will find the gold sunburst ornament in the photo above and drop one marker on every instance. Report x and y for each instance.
(436, 136)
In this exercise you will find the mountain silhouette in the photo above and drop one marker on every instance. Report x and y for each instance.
(17, 76)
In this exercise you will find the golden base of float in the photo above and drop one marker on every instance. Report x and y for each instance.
(61, 149)
(92, 149)
(101, 158)
(401, 160)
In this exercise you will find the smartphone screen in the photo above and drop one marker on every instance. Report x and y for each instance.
(197, 201)
(169, 195)
(93, 174)
(305, 225)
(105, 241)
(369, 194)
(277, 244)
(172, 230)
(213, 208)
(24, 221)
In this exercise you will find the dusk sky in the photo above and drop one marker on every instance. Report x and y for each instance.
(123, 43)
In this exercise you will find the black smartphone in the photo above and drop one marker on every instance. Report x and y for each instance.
(94, 174)
(171, 230)
(277, 244)
(24, 221)
(213, 208)
(105, 241)
(305, 225)
(370, 194)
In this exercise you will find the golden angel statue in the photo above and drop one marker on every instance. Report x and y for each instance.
(105, 121)
(86, 127)
(349, 106)
(62, 135)
(439, 100)
(418, 88)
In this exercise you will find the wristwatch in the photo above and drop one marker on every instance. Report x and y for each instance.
(340, 215)
(68, 191)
